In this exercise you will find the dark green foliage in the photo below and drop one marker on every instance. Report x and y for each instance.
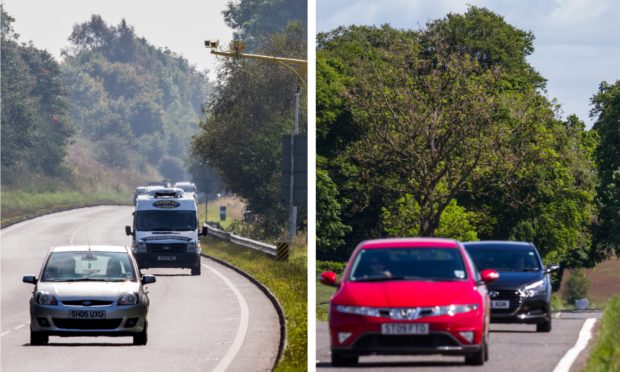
(577, 286)
(451, 114)
(607, 112)
(256, 19)
(35, 127)
(139, 103)
(241, 135)
(329, 208)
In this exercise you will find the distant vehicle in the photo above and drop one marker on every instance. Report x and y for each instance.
(409, 296)
(139, 191)
(162, 183)
(89, 291)
(165, 230)
(523, 292)
(189, 188)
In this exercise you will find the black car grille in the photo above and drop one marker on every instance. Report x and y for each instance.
(507, 295)
(377, 341)
(166, 248)
(87, 323)
(87, 303)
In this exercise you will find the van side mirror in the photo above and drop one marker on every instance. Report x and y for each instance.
(128, 230)
(205, 231)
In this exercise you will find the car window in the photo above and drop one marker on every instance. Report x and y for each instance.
(408, 264)
(504, 258)
(88, 265)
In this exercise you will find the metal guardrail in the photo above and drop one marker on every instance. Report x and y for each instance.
(244, 242)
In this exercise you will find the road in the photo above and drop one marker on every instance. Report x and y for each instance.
(512, 347)
(213, 322)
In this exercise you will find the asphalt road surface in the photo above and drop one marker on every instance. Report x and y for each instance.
(213, 322)
(512, 347)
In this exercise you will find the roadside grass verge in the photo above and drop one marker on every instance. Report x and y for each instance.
(17, 206)
(323, 292)
(287, 281)
(605, 355)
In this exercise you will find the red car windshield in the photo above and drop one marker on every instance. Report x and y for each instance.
(424, 264)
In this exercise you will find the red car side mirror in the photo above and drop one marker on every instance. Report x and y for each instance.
(329, 278)
(489, 275)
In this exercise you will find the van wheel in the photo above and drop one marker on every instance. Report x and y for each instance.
(478, 358)
(38, 338)
(196, 270)
(141, 338)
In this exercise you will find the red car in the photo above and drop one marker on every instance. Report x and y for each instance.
(409, 296)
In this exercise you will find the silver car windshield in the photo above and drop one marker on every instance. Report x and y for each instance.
(88, 266)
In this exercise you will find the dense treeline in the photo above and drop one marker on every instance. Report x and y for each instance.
(35, 124)
(137, 104)
(254, 106)
(446, 131)
(115, 106)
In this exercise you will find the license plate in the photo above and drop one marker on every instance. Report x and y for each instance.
(166, 258)
(87, 314)
(404, 329)
(500, 304)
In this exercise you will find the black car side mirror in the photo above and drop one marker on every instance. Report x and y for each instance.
(551, 268)
(128, 230)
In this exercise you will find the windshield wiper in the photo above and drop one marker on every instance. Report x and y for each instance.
(380, 279)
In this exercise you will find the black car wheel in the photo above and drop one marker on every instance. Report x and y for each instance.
(38, 338)
(341, 359)
(141, 338)
(544, 326)
(478, 358)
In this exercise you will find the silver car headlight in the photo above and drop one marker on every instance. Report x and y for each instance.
(45, 298)
(533, 289)
(129, 298)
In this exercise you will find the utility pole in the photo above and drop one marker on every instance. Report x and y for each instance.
(299, 67)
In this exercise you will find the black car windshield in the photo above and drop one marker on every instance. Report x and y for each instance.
(166, 220)
(424, 264)
(88, 266)
(504, 258)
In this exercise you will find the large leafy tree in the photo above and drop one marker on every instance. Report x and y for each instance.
(241, 135)
(607, 112)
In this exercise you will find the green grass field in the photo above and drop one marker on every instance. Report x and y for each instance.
(605, 355)
(287, 281)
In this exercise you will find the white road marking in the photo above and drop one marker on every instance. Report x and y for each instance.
(78, 229)
(584, 336)
(13, 329)
(243, 324)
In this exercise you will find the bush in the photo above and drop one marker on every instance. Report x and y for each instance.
(577, 286)
(337, 267)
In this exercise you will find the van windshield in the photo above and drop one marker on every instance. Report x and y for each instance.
(166, 220)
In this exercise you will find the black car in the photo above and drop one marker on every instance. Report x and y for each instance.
(522, 294)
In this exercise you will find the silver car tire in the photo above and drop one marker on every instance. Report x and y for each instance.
(141, 338)
(38, 338)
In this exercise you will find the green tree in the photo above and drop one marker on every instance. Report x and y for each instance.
(607, 112)
(328, 210)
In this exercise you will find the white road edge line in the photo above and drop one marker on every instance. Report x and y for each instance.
(584, 336)
(13, 329)
(78, 229)
(243, 324)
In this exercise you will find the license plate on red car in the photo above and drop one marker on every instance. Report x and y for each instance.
(404, 329)
(500, 304)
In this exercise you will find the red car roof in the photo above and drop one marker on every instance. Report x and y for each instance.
(409, 243)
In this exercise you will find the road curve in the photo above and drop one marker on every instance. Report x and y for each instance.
(512, 347)
(213, 322)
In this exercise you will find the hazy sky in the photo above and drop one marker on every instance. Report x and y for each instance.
(577, 42)
(180, 25)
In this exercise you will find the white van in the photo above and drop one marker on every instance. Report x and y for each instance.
(165, 231)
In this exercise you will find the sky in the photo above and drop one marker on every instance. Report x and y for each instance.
(577, 43)
(180, 25)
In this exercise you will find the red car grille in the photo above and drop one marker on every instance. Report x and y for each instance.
(376, 341)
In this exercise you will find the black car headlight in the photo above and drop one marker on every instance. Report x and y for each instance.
(533, 289)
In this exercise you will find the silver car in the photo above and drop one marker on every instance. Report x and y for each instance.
(89, 291)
